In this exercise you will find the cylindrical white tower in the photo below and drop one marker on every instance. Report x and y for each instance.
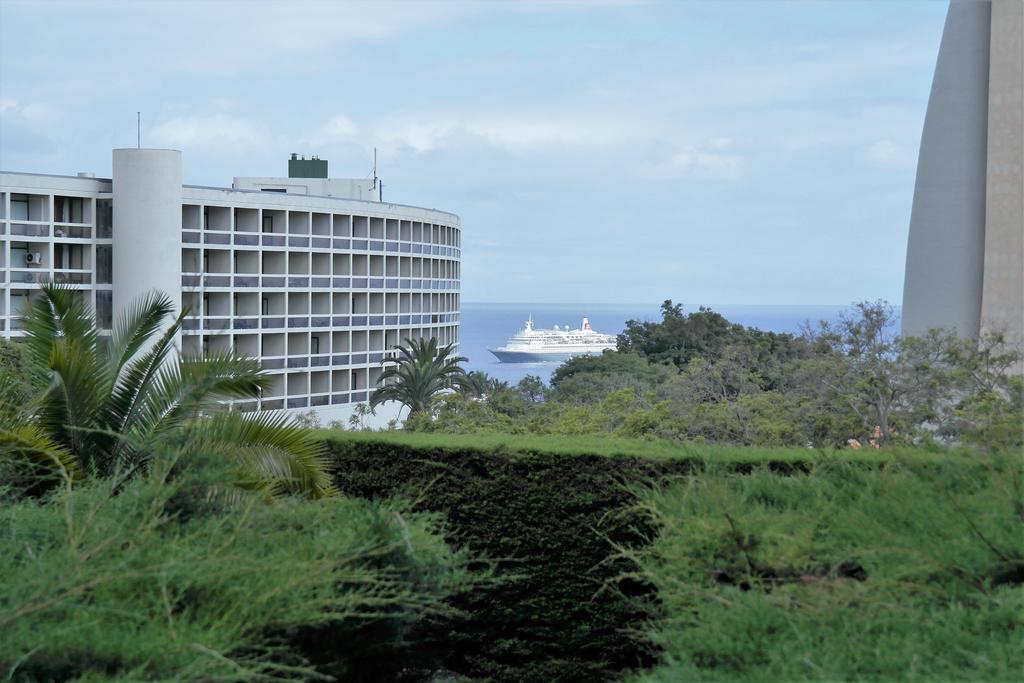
(147, 225)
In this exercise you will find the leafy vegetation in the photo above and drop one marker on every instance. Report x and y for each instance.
(697, 377)
(838, 573)
(153, 579)
(417, 374)
(562, 521)
(85, 404)
(148, 534)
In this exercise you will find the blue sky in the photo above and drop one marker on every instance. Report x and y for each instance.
(623, 152)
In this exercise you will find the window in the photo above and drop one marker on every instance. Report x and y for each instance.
(314, 345)
(67, 209)
(272, 189)
(104, 264)
(265, 306)
(105, 308)
(104, 217)
(19, 207)
(268, 224)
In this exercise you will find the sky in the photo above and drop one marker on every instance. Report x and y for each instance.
(750, 152)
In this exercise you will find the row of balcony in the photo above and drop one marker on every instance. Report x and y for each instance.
(322, 282)
(278, 240)
(39, 275)
(313, 400)
(322, 361)
(59, 230)
(304, 401)
(295, 322)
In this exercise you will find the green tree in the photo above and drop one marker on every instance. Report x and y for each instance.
(420, 372)
(106, 406)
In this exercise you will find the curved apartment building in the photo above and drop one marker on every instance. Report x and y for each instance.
(316, 277)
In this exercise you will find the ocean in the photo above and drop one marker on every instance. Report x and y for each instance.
(487, 326)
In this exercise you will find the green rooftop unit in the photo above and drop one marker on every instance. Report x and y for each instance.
(314, 167)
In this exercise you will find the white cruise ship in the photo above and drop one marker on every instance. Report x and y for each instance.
(531, 345)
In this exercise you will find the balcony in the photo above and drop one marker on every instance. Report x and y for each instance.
(72, 276)
(30, 276)
(70, 231)
(246, 323)
(217, 238)
(221, 322)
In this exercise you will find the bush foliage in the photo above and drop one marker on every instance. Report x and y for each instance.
(839, 573)
(561, 520)
(698, 377)
(157, 579)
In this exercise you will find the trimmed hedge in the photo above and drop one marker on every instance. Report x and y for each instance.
(549, 512)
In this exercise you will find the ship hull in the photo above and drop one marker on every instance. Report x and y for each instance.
(538, 356)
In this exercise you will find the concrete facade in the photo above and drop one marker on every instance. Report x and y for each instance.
(1002, 298)
(318, 288)
(965, 253)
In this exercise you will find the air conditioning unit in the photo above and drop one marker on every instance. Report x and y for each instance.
(33, 257)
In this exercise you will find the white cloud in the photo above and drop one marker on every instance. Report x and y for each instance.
(338, 128)
(211, 133)
(35, 115)
(887, 154)
(703, 164)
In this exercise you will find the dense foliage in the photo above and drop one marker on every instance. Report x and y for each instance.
(546, 522)
(149, 534)
(77, 403)
(839, 573)
(152, 579)
(560, 519)
(697, 377)
(417, 373)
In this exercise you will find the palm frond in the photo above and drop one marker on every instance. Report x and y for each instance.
(58, 312)
(128, 402)
(136, 325)
(418, 373)
(72, 400)
(273, 454)
(184, 390)
(31, 463)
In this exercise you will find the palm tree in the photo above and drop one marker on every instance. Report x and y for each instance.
(103, 406)
(419, 372)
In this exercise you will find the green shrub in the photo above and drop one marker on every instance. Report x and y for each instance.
(550, 511)
(174, 575)
(905, 572)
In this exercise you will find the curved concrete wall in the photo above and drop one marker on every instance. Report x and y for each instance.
(146, 186)
(946, 247)
(1002, 301)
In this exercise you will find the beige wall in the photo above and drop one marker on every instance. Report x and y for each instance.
(1002, 307)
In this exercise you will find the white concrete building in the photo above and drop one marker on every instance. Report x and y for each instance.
(319, 287)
